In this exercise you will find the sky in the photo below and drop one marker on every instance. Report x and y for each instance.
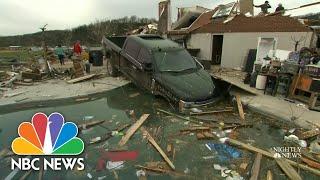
(26, 16)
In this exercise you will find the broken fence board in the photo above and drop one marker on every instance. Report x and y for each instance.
(81, 78)
(270, 155)
(133, 129)
(288, 169)
(158, 148)
(256, 167)
(240, 108)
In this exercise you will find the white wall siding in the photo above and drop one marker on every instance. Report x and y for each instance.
(203, 42)
(236, 45)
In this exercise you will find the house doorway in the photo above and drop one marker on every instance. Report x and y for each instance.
(217, 41)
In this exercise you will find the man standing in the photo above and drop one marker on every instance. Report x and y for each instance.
(77, 48)
(280, 8)
(60, 53)
(264, 7)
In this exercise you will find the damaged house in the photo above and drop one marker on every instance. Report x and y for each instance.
(225, 34)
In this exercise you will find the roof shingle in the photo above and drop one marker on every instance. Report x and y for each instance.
(241, 23)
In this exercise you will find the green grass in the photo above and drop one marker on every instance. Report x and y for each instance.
(20, 55)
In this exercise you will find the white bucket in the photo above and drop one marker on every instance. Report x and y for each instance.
(261, 82)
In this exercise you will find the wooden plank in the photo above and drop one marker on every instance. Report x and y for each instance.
(90, 124)
(158, 148)
(133, 129)
(270, 155)
(256, 167)
(240, 108)
(269, 175)
(311, 162)
(165, 171)
(200, 128)
(288, 169)
(81, 78)
(211, 112)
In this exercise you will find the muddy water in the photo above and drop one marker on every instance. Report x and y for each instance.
(189, 152)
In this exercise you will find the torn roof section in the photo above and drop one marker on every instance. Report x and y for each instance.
(191, 18)
(241, 23)
(225, 18)
(203, 19)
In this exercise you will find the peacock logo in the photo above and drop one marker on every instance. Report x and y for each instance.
(47, 136)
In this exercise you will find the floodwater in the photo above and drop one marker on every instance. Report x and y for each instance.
(114, 107)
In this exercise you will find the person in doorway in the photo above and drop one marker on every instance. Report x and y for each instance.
(264, 7)
(60, 53)
(77, 50)
(280, 8)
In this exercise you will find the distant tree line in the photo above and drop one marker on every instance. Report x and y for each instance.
(88, 34)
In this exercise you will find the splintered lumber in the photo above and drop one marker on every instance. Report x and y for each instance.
(288, 169)
(159, 170)
(309, 134)
(256, 167)
(158, 148)
(211, 112)
(133, 129)
(178, 116)
(72, 81)
(200, 128)
(90, 124)
(240, 108)
(8, 82)
(270, 155)
(269, 175)
(30, 75)
(311, 163)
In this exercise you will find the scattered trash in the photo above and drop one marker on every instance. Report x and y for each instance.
(187, 171)
(115, 165)
(122, 155)
(140, 173)
(95, 140)
(291, 130)
(117, 133)
(101, 164)
(225, 152)
(102, 177)
(208, 157)
(89, 176)
(134, 95)
(223, 140)
(195, 110)
(86, 118)
(294, 139)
